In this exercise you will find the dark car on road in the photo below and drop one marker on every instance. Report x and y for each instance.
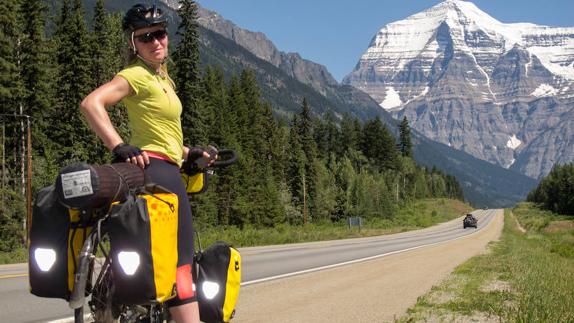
(469, 221)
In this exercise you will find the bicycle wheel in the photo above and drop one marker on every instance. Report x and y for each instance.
(101, 304)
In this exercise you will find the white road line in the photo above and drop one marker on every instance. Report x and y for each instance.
(351, 261)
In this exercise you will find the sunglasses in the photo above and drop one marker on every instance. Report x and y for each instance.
(149, 37)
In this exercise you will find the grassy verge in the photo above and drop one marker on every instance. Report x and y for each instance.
(526, 277)
(419, 215)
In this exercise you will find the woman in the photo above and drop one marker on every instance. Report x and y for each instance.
(156, 143)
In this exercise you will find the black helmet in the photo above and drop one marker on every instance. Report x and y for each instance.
(141, 16)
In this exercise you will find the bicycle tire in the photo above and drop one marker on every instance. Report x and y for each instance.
(79, 315)
(101, 305)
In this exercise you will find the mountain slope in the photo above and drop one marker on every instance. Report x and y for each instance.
(469, 81)
(285, 92)
(484, 184)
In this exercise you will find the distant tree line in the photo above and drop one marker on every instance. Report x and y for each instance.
(306, 169)
(556, 191)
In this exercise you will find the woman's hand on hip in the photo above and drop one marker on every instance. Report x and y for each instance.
(130, 154)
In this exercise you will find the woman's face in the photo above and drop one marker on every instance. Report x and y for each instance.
(151, 43)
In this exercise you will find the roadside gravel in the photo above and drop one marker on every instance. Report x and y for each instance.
(380, 290)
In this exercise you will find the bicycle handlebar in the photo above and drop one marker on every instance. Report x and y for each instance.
(220, 163)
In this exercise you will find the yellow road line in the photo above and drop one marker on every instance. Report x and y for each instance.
(13, 276)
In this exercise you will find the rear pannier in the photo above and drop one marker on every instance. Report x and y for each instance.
(56, 236)
(143, 243)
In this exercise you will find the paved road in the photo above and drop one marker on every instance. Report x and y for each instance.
(378, 290)
(260, 264)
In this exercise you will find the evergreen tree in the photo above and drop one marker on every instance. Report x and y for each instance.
(296, 161)
(305, 132)
(378, 144)
(102, 62)
(349, 134)
(186, 59)
(13, 128)
(73, 138)
(37, 71)
(405, 145)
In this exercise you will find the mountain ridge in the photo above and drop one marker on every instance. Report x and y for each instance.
(465, 79)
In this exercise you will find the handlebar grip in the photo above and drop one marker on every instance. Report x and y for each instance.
(232, 158)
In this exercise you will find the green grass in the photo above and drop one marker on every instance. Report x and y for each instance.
(17, 256)
(526, 277)
(418, 215)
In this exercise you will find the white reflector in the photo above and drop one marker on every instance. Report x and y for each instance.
(45, 258)
(129, 261)
(210, 289)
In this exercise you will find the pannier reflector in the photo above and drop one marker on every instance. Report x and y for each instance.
(210, 289)
(129, 261)
(45, 258)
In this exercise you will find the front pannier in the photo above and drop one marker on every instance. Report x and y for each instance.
(218, 281)
(143, 247)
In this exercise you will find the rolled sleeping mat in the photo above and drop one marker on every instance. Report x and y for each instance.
(85, 186)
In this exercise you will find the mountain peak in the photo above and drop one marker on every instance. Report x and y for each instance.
(464, 10)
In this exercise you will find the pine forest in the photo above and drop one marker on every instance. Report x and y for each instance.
(303, 169)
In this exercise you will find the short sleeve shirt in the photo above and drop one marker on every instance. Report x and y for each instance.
(154, 112)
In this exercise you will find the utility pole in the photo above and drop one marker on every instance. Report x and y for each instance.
(304, 201)
(28, 222)
(3, 165)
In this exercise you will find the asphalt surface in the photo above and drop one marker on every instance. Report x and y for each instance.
(283, 267)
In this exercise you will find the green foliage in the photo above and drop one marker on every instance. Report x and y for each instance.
(186, 60)
(73, 140)
(12, 212)
(318, 169)
(556, 191)
(405, 145)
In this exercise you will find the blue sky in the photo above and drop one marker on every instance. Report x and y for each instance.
(335, 33)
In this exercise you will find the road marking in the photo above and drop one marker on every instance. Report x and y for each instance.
(13, 276)
(87, 318)
(261, 280)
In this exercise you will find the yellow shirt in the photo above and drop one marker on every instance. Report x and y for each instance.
(154, 112)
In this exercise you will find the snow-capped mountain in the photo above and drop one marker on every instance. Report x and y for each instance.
(468, 80)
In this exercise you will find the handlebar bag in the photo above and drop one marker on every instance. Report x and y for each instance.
(218, 271)
(196, 183)
(57, 234)
(143, 248)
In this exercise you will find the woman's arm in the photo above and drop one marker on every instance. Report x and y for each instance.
(94, 109)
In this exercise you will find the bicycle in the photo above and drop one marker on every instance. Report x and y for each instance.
(94, 275)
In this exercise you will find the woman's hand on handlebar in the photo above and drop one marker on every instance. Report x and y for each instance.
(197, 158)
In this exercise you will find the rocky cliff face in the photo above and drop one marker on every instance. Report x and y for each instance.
(305, 71)
(497, 91)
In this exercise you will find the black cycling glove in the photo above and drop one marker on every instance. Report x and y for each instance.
(189, 166)
(123, 151)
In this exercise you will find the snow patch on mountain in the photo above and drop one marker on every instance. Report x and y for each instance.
(513, 143)
(392, 99)
(544, 90)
